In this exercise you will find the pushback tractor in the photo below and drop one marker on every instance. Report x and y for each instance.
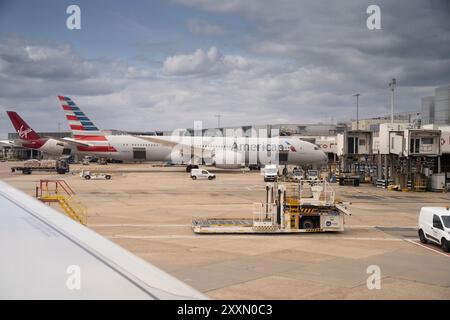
(291, 206)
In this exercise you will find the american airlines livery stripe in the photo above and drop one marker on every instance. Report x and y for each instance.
(79, 123)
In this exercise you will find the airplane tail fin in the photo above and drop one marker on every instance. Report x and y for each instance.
(80, 125)
(24, 131)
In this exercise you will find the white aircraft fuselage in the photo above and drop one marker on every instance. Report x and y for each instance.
(239, 151)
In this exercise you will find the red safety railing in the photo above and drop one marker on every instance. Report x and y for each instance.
(53, 187)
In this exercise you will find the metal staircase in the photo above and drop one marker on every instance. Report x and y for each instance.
(58, 191)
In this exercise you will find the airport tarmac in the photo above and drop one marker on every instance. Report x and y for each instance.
(148, 210)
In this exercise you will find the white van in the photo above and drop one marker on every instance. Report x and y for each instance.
(202, 174)
(434, 226)
(270, 172)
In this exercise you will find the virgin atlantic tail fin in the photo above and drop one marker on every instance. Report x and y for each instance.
(24, 131)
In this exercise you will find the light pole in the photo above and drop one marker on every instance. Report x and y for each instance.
(218, 120)
(392, 85)
(357, 109)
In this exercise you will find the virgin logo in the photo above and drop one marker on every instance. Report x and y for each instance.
(23, 134)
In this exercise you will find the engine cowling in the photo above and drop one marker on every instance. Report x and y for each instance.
(227, 159)
(177, 157)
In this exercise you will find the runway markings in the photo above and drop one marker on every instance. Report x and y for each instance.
(430, 247)
(242, 236)
(250, 236)
(374, 227)
(136, 225)
(150, 225)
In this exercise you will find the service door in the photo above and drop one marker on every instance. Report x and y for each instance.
(139, 154)
(66, 151)
(438, 229)
(283, 157)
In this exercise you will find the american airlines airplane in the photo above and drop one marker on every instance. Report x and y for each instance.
(47, 255)
(221, 152)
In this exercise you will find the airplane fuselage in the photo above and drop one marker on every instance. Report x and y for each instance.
(48, 146)
(127, 148)
(250, 150)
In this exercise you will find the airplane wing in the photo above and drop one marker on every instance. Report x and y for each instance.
(74, 142)
(195, 150)
(46, 255)
(8, 143)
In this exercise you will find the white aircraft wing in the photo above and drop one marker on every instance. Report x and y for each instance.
(169, 143)
(8, 143)
(46, 255)
(74, 142)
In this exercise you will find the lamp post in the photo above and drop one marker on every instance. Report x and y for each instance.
(357, 109)
(392, 85)
(218, 120)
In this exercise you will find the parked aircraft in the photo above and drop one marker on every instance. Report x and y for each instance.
(227, 152)
(30, 139)
(222, 152)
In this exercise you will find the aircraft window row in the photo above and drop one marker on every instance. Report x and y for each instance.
(197, 146)
(140, 144)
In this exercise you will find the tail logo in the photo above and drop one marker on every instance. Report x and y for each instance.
(23, 134)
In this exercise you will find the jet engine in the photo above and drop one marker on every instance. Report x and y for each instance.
(227, 159)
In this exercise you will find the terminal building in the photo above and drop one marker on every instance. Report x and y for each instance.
(412, 152)
(269, 130)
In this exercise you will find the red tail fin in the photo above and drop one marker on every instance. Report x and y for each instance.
(23, 129)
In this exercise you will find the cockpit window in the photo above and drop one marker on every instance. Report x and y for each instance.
(316, 148)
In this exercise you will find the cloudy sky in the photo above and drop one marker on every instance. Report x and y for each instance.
(159, 65)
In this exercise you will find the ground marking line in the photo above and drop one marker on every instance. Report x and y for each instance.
(235, 236)
(431, 249)
(139, 225)
(99, 225)
(367, 226)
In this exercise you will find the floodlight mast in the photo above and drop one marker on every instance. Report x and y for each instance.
(357, 109)
(392, 85)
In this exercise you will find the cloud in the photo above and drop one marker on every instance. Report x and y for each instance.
(203, 63)
(30, 70)
(201, 28)
(414, 40)
(32, 75)
(286, 61)
(21, 58)
(195, 86)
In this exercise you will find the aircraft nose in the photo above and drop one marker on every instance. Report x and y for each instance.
(323, 156)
